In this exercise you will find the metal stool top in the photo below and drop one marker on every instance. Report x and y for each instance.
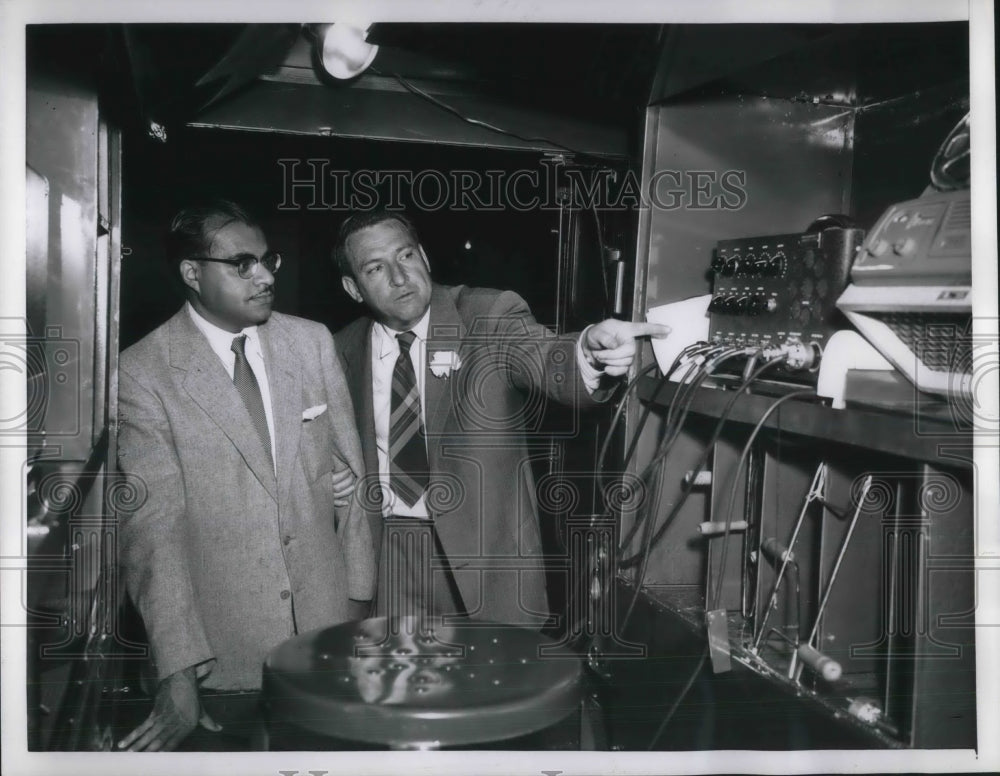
(410, 683)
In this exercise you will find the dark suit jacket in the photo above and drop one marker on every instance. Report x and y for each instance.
(480, 424)
(223, 559)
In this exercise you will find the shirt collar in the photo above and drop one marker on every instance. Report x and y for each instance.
(220, 339)
(385, 338)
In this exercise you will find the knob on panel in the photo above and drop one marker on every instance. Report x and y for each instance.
(776, 266)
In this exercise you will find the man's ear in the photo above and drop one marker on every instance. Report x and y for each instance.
(351, 288)
(423, 255)
(191, 275)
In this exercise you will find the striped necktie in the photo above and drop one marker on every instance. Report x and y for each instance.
(408, 468)
(246, 384)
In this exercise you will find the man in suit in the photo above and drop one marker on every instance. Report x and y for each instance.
(237, 427)
(446, 382)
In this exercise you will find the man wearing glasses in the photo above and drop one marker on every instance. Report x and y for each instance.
(237, 427)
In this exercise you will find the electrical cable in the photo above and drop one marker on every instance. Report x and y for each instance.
(685, 353)
(691, 351)
(661, 384)
(685, 398)
(735, 479)
(652, 472)
(616, 418)
(798, 604)
(601, 260)
(649, 539)
(706, 451)
(652, 478)
(526, 139)
(677, 701)
(677, 413)
(477, 122)
(718, 588)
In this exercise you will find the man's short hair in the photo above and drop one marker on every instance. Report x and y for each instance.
(362, 220)
(192, 230)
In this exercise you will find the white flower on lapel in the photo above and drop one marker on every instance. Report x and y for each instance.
(313, 412)
(444, 362)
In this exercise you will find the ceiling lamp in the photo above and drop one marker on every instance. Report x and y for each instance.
(343, 48)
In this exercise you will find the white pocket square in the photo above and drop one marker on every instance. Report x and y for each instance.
(313, 412)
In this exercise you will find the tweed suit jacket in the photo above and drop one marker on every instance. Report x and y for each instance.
(481, 437)
(224, 555)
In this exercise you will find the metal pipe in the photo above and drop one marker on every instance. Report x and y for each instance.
(840, 557)
(795, 669)
(815, 490)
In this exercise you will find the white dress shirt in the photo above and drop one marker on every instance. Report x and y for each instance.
(221, 342)
(385, 351)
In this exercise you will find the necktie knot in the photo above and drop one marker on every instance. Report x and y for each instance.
(239, 345)
(405, 340)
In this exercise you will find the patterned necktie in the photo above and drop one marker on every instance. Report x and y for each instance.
(246, 384)
(408, 468)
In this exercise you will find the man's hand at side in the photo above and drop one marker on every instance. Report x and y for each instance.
(176, 712)
(343, 487)
(610, 345)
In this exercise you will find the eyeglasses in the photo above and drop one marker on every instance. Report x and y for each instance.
(246, 263)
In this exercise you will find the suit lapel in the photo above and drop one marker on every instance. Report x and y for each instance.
(284, 376)
(212, 389)
(356, 355)
(444, 334)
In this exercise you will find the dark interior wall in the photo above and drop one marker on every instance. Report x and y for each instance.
(905, 111)
(504, 246)
(895, 142)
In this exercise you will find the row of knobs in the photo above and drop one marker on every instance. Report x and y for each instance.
(742, 304)
(902, 247)
(750, 264)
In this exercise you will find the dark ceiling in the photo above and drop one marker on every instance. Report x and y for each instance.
(168, 72)
(593, 70)
(599, 73)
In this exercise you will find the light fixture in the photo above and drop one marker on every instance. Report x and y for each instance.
(343, 48)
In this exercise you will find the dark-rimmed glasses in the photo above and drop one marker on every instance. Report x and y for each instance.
(246, 263)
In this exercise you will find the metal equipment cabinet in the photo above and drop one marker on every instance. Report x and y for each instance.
(809, 121)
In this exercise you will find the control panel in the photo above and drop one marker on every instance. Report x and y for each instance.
(926, 241)
(779, 289)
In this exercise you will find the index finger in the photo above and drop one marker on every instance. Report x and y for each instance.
(152, 739)
(649, 329)
(137, 732)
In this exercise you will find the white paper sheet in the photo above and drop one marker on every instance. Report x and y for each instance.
(688, 322)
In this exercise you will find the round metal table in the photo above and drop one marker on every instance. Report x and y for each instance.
(420, 684)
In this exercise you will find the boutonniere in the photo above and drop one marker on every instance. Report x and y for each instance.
(444, 362)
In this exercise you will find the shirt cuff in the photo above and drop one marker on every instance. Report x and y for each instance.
(591, 377)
